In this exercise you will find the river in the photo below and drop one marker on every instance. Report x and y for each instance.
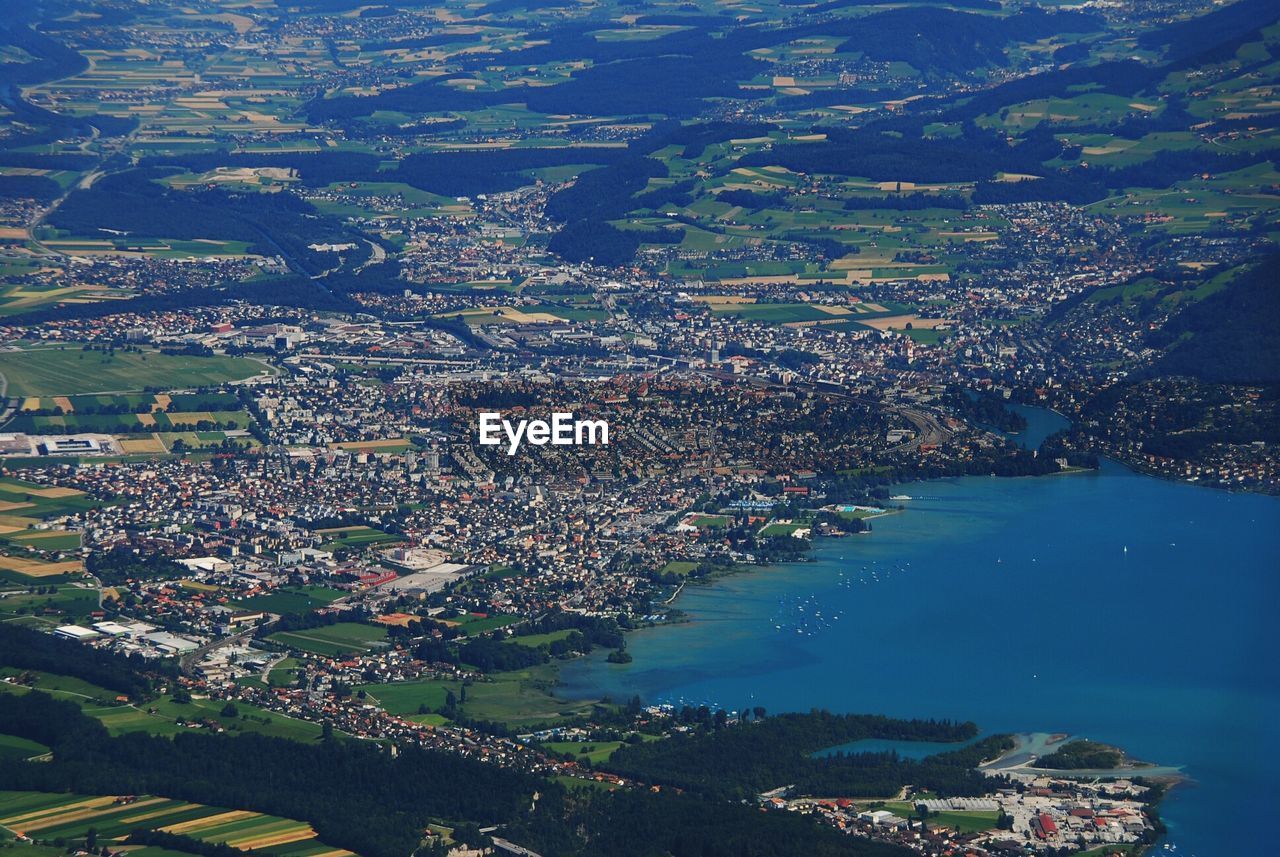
(1111, 605)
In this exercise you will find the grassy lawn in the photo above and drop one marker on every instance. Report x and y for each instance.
(285, 673)
(532, 641)
(925, 336)
(67, 371)
(963, 822)
(405, 697)
(473, 624)
(679, 566)
(301, 599)
(342, 638)
(521, 698)
(45, 540)
(595, 751)
(776, 313)
(782, 529)
(14, 748)
(69, 602)
(59, 686)
(160, 716)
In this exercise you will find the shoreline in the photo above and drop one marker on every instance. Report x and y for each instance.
(1164, 777)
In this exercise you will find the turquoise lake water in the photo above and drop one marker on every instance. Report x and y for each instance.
(1014, 603)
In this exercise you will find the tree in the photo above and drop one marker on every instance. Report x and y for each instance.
(230, 710)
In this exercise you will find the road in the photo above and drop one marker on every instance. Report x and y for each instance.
(376, 254)
(9, 406)
(187, 661)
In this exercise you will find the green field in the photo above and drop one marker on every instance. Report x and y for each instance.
(473, 624)
(14, 748)
(678, 566)
(44, 540)
(964, 822)
(129, 423)
(66, 604)
(285, 673)
(351, 537)
(776, 313)
(532, 641)
(594, 751)
(47, 817)
(299, 599)
(343, 638)
(406, 697)
(162, 716)
(35, 502)
(428, 719)
(520, 699)
(64, 371)
(781, 529)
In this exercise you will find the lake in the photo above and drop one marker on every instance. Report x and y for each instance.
(1110, 605)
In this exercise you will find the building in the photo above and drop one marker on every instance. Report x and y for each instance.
(74, 632)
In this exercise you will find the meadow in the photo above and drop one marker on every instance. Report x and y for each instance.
(299, 599)
(65, 371)
(46, 817)
(594, 752)
(161, 716)
(331, 640)
(964, 822)
(14, 748)
(521, 699)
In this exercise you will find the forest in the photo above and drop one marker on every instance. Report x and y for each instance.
(901, 154)
(358, 796)
(1232, 336)
(749, 758)
(131, 675)
(133, 202)
(39, 188)
(1080, 755)
(986, 409)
